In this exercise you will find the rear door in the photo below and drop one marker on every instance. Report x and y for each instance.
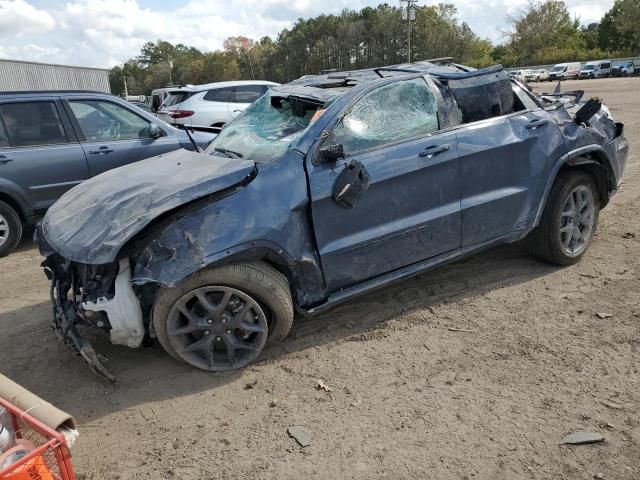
(113, 135)
(504, 165)
(40, 157)
(411, 210)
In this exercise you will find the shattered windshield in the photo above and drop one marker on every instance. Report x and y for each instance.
(267, 128)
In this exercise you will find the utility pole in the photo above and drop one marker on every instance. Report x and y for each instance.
(408, 9)
(170, 69)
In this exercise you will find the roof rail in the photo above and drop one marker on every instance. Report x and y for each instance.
(437, 60)
(443, 75)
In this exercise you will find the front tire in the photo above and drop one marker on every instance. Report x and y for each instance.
(10, 229)
(569, 220)
(220, 319)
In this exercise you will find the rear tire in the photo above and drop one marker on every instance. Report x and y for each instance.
(254, 287)
(10, 229)
(569, 220)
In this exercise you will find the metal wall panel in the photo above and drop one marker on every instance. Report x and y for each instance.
(18, 75)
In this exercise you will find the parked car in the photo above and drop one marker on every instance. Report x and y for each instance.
(211, 105)
(141, 105)
(539, 75)
(623, 69)
(564, 71)
(597, 69)
(325, 188)
(520, 75)
(52, 141)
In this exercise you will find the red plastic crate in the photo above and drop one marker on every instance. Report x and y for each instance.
(51, 456)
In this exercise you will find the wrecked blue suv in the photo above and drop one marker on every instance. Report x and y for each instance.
(325, 188)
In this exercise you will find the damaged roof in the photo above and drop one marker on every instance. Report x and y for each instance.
(328, 86)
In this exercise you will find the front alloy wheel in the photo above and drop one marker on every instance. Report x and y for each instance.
(221, 318)
(217, 328)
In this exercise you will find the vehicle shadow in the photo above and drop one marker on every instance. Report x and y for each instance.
(32, 357)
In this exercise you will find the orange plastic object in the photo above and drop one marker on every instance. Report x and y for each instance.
(48, 456)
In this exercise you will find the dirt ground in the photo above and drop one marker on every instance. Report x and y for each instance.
(411, 398)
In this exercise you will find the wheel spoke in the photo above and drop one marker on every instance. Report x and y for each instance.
(567, 239)
(203, 344)
(251, 327)
(224, 302)
(205, 303)
(239, 344)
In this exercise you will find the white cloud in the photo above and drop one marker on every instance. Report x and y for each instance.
(104, 33)
(18, 17)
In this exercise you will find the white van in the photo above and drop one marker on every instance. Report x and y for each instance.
(601, 68)
(564, 71)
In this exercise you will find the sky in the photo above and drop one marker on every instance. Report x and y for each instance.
(104, 33)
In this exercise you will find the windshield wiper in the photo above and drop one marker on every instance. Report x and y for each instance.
(227, 152)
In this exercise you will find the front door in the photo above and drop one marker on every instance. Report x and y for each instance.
(411, 210)
(40, 157)
(113, 135)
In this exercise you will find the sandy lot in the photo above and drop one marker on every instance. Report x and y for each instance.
(410, 397)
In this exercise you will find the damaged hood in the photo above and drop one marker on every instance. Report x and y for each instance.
(91, 222)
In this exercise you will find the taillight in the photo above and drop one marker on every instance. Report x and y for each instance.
(180, 113)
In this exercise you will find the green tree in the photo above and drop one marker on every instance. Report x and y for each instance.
(620, 28)
(545, 32)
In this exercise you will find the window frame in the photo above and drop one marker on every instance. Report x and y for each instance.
(264, 88)
(63, 118)
(219, 89)
(324, 139)
(80, 134)
(429, 85)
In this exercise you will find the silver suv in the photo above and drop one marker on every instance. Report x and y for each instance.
(52, 141)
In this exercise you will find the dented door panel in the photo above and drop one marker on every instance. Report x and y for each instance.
(502, 164)
(410, 212)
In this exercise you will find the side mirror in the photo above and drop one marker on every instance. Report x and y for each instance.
(351, 184)
(155, 131)
(331, 153)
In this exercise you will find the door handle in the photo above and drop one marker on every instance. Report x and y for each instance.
(433, 150)
(4, 160)
(237, 111)
(101, 151)
(533, 124)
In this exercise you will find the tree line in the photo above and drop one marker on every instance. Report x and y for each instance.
(542, 33)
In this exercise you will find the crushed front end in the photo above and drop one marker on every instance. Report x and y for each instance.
(94, 296)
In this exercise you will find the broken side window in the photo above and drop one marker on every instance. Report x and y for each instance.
(389, 114)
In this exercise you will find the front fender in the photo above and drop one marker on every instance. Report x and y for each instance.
(267, 220)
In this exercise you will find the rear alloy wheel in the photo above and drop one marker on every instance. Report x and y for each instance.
(569, 220)
(577, 221)
(10, 229)
(220, 319)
